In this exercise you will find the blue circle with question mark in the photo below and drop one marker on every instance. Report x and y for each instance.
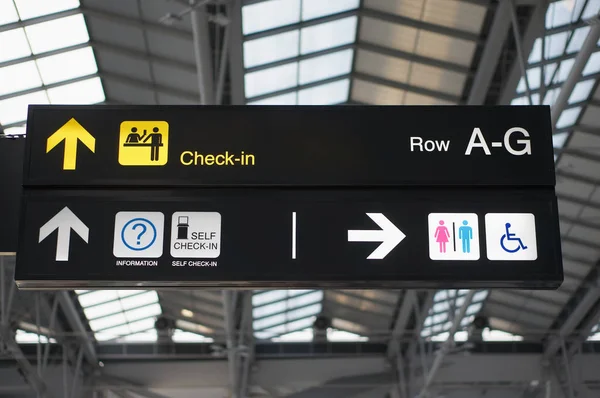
(138, 224)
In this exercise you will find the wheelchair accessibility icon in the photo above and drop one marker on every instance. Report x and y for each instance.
(511, 238)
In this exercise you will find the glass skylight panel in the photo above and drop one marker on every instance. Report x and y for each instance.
(563, 12)
(593, 64)
(446, 303)
(19, 130)
(326, 66)
(577, 40)
(595, 335)
(34, 8)
(97, 297)
(534, 79)
(559, 139)
(318, 8)
(568, 117)
(327, 35)
(325, 94)
(591, 10)
(13, 45)
(101, 310)
(80, 93)
(116, 313)
(143, 312)
(181, 336)
(57, 33)
(555, 44)
(551, 96)
(14, 109)
(269, 14)
(341, 335)
(284, 99)
(8, 13)
(67, 66)
(271, 48)
(108, 321)
(23, 337)
(19, 77)
(138, 300)
(270, 80)
(499, 335)
(581, 91)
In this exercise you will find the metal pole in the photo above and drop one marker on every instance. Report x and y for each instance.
(203, 53)
(447, 344)
(588, 47)
(51, 327)
(520, 54)
(38, 345)
(223, 66)
(420, 340)
(76, 373)
(567, 368)
(8, 307)
(229, 331)
(3, 314)
(64, 371)
(402, 390)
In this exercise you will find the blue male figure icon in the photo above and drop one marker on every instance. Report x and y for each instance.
(465, 234)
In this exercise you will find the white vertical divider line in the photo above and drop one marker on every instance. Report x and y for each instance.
(293, 235)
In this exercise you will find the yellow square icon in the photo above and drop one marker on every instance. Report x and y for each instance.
(144, 143)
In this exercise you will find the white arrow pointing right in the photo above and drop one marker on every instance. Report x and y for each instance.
(64, 222)
(389, 235)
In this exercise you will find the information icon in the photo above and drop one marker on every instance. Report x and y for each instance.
(138, 234)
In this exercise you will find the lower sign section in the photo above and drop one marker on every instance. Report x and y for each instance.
(265, 238)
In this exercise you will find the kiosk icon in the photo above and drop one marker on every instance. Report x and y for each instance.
(143, 143)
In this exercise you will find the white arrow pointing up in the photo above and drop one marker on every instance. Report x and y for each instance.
(64, 222)
(389, 235)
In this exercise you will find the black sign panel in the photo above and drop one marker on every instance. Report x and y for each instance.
(354, 146)
(12, 152)
(379, 238)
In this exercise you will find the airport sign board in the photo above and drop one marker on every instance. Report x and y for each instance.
(274, 197)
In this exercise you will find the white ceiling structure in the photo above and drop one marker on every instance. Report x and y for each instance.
(312, 52)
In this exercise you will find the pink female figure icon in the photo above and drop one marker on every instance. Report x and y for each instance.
(442, 236)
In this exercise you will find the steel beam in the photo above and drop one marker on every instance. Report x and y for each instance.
(491, 55)
(446, 345)
(588, 47)
(236, 53)
(76, 324)
(406, 308)
(28, 371)
(581, 311)
(203, 54)
(534, 29)
(228, 313)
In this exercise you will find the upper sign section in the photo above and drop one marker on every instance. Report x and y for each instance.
(171, 146)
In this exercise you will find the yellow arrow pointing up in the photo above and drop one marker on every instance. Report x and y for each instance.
(71, 132)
